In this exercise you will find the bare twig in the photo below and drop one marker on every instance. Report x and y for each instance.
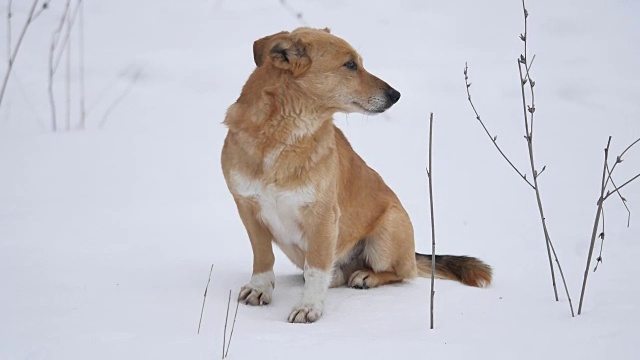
(619, 160)
(14, 53)
(296, 14)
(70, 20)
(528, 123)
(494, 139)
(205, 298)
(433, 226)
(52, 69)
(595, 224)
(67, 80)
(622, 199)
(45, 6)
(617, 189)
(529, 138)
(601, 236)
(81, 64)
(9, 15)
(116, 102)
(233, 326)
(226, 320)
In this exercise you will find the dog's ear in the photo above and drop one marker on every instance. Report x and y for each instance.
(260, 46)
(290, 54)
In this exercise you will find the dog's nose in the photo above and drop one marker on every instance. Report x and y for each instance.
(393, 95)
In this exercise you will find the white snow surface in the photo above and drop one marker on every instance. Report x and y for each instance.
(107, 234)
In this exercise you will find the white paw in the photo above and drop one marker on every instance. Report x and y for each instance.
(255, 296)
(305, 313)
(259, 290)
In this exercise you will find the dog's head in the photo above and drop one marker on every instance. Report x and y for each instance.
(326, 68)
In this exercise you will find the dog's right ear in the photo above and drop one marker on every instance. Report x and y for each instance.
(260, 47)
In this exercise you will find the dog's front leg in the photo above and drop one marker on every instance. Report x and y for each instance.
(321, 232)
(260, 289)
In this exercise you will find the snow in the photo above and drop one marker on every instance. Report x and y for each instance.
(107, 234)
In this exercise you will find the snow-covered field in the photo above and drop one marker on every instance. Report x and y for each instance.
(107, 234)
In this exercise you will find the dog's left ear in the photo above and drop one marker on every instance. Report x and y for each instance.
(260, 45)
(290, 54)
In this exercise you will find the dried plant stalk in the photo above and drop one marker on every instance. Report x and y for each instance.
(433, 226)
(205, 298)
(33, 14)
(607, 176)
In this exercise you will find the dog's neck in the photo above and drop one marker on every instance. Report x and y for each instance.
(276, 113)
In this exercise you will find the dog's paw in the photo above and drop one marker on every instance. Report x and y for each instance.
(363, 279)
(305, 314)
(251, 295)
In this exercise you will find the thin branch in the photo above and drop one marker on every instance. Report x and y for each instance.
(601, 236)
(71, 20)
(81, 67)
(594, 232)
(12, 59)
(617, 189)
(205, 298)
(433, 225)
(494, 139)
(9, 15)
(622, 199)
(67, 49)
(233, 326)
(296, 14)
(619, 160)
(52, 69)
(226, 320)
(528, 123)
(537, 174)
(529, 137)
(45, 6)
(123, 95)
(564, 281)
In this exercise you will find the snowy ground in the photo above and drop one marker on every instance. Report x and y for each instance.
(107, 234)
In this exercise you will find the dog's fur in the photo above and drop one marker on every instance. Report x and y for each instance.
(298, 183)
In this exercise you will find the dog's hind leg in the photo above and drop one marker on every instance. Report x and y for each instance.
(389, 252)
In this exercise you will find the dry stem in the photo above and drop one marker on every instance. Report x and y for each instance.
(607, 175)
(81, 64)
(296, 14)
(494, 139)
(529, 122)
(433, 226)
(622, 198)
(67, 80)
(594, 232)
(9, 15)
(134, 79)
(601, 236)
(226, 320)
(52, 69)
(233, 326)
(13, 54)
(205, 298)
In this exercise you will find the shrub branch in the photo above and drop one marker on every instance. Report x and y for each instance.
(33, 14)
(433, 226)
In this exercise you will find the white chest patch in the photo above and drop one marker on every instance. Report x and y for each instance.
(279, 208)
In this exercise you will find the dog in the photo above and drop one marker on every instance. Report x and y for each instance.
(297, 182)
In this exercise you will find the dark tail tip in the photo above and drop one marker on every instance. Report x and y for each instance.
(465, 269)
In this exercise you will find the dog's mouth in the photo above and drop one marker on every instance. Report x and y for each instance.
(366, 110)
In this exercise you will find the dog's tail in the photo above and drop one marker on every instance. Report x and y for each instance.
(467, 270)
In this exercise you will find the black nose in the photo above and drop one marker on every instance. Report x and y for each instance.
(393, 95)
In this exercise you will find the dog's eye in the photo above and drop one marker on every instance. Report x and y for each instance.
(351, 65)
